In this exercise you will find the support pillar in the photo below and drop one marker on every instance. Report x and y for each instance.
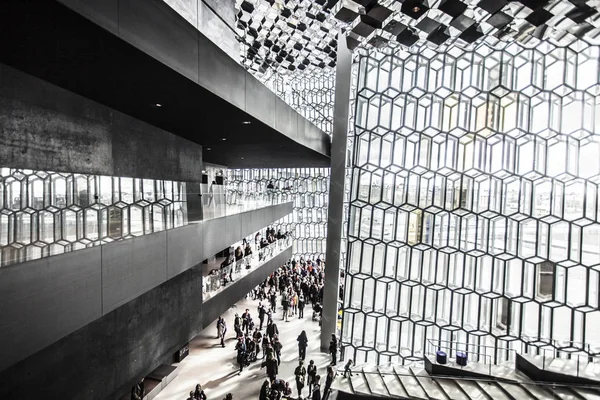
(335, 216)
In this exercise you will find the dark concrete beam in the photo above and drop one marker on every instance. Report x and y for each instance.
(44, 127)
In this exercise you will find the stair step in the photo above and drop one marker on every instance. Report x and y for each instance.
(451, 389)
(564, 393)
(375, 381)
(589, 394)
(392, 383)
(492, 389)
(472, 390)
(412, 386)
(431, 388)
(516, 391)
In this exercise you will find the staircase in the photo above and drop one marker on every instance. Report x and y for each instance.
(558, 369)
(414, 382)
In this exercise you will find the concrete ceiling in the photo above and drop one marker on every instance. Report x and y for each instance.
(54, 43)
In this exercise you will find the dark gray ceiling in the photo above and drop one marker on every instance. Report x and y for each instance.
(52, 42)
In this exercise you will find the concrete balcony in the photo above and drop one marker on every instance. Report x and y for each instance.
(44, 300)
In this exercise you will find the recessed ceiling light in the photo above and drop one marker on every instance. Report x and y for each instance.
(208, 148)
(242, 158)
(203, 171)
(224, 138)
(158, 105)
(246, 122)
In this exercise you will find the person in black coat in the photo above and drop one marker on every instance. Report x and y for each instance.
(199, 393)
(316, 392)
(272, 367)
(272, 329)
(264, 391)
(302, 344)
(333, 347)
(301, 304)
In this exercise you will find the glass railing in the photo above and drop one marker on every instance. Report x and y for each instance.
(221, 202)
(220, 278)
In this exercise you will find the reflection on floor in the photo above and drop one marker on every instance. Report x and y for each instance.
(216, 369)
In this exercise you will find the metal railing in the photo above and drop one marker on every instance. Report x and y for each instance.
(493, 355)
(214, 283)
(451, 348)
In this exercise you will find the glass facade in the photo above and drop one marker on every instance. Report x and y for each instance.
(474, 213)
(47, 213)
(308, 188)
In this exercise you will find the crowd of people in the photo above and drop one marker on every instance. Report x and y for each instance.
(244, 251)
(286, 292)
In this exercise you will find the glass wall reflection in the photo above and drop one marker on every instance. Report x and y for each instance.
(47, 213)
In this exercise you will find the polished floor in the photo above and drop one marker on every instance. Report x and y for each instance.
(216, 369)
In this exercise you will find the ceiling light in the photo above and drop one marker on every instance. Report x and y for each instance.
(242, 158)
(416, 9)
(158, 105)
(246, 122)
(203, 171)
(224, 138)
(208, 148)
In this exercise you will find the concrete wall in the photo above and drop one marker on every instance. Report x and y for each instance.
(47, 128)
(213, 26)
(106, 357)
(43, 300)
(155, 28)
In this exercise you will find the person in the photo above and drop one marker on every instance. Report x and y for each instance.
(199, 393)
(261, 314)
(300, 374)
(228, 396)
(241, 353)
(265, 345)
(221, 330)
(247, 250)
(139, 390)
(301, 306)
(245, 320)
(191, 396)
(237, 325)
(311, 373)
(264, 391)
(277, 347)
(270, 185)
(272, 329)
(328, 380)
(239, 253)
(287, 390)
(285, 303)
(333, 347)
(257, 339)
(272, 367)
(273, 300)
(302, 344)
(316, 392)
(347, 370)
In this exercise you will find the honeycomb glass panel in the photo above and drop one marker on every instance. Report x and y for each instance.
(484, 204)
(47, 213)
(307, 188)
